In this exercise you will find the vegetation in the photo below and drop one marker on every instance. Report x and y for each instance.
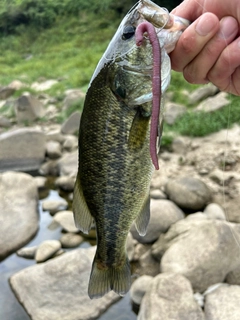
(64, 39)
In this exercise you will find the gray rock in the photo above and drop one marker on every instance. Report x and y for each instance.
(66, 221)
(222, 177)
(22, 149)
(157, 194)
(57, 289)
(68, 164)
(72, 96)
(163, 214)
(5, 122)
(54, 206)
(27, 252)
(55, 134)
(65, 183)
(18, 211)
(214, 211)
(195, 248)
(49, 168)
(71, 125)
(181, 145)
(6, 92)
(41, 182)
(43, 86)
(223, 303)
(233, 277)
(17, 85)
(188, 193)
(214, 103)
(28, 108)
(202, 93)
(71, 240)
(168, 297)
(47, 249)
(53, 150)
(139, 288)
(172, 112)
(71, 143)
(148, 265)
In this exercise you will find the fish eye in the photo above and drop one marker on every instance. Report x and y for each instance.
(128, 32)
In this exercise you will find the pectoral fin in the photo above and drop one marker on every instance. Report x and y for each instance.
(142, 220)
(82, 215)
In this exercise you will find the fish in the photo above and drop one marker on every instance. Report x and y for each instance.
(115, 161)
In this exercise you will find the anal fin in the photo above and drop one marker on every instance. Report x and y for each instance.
(142, 220)
(82, 215)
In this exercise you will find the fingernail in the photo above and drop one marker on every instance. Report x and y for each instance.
(204, 25)
(228, 27)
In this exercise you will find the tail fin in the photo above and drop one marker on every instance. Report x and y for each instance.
(102, 280)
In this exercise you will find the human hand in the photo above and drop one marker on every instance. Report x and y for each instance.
(209, 49)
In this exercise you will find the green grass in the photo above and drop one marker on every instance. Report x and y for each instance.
(70, 51)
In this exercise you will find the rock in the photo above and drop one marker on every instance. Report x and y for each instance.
(139, 250)
(214, 103)
(163, 214)
(222, 177)
(55, 134)
(202, 93)
(223, 303)
(233, 277)
(72, 96)
(43, 86)
(22, 149)
(188, 193)
(65, 183)
(172, 112)
(57, 289)
(139, 288)
(68, 164)
(168, 297)
(5, 122)
(49, 168)
(17, 85)
(157, 194)
(71, 240)
(18, 211)
(28, 108)
(181, 145)
(6, 92)
(53, 150)
(71, 125)
(27, 252)
(71, 143)
(66, 221)
(47, 249)
(54, 206)
(195, 248)
(214, 211)
(148, 265)
(41, 183)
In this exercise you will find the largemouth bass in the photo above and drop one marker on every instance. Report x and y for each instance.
(115, 165)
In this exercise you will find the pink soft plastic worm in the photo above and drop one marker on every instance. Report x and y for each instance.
(156, 84)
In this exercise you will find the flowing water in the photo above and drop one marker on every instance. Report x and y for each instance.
(11, 309)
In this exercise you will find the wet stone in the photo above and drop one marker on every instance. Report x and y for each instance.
(54, 206)
(46, 250)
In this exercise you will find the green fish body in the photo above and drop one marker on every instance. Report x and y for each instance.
(115, 167)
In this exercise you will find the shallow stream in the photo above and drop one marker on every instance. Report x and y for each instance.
(11, 309)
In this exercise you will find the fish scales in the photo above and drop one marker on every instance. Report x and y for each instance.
(115, 167)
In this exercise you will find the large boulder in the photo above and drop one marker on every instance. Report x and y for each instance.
(22, 149)
(202, 250)
(18, 211)
(169, 297)
(28, 108)
(57, 289)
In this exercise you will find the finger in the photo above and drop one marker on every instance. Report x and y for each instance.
(193, 39)
(225, 74)
(196, 71)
